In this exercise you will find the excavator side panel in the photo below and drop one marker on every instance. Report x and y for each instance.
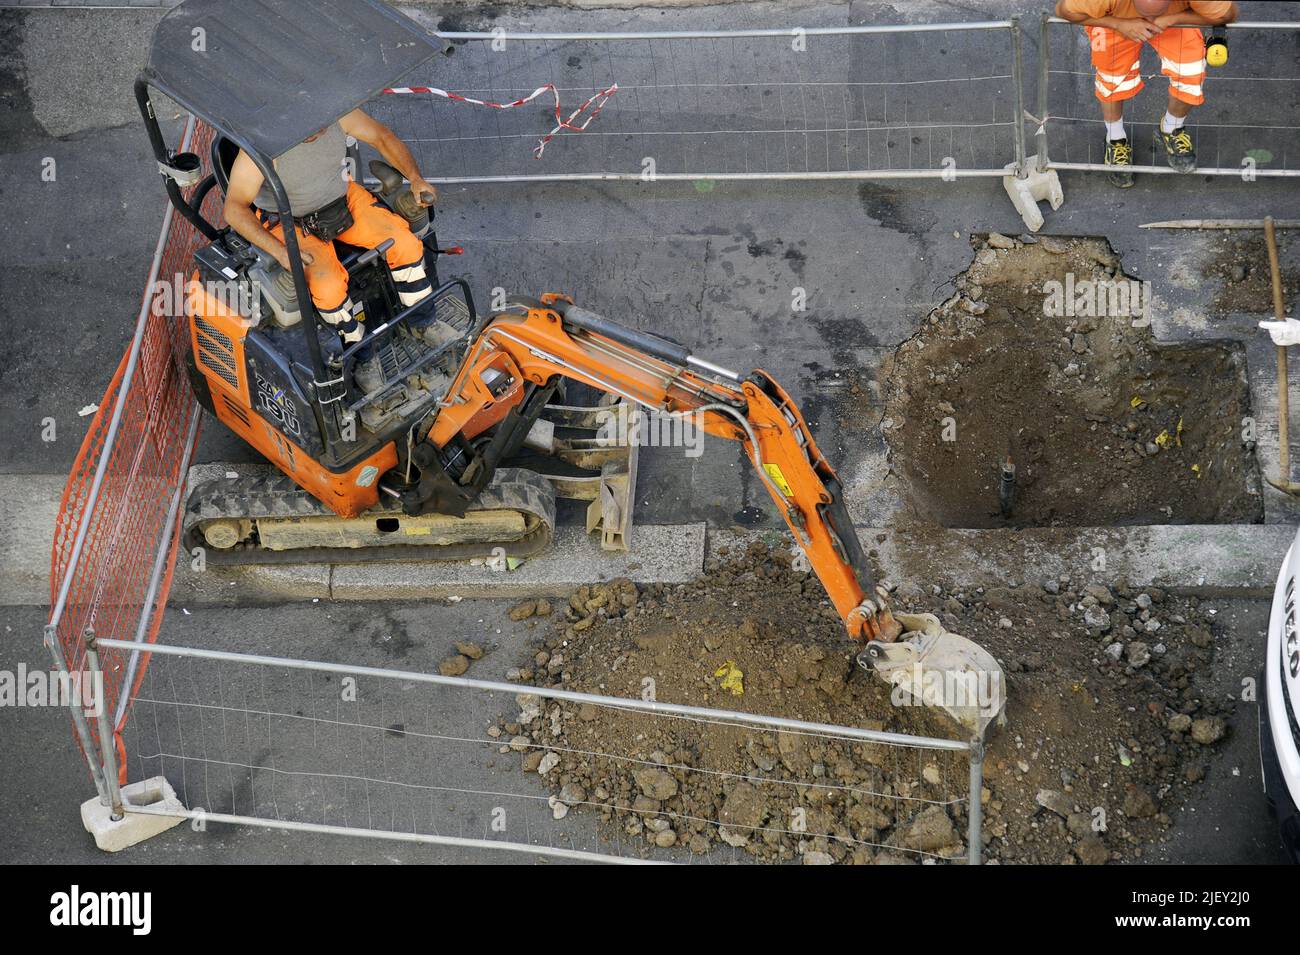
(261, 414)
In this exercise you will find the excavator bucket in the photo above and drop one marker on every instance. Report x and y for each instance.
(929, 666)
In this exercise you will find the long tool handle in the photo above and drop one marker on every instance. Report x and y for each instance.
(1283, 388)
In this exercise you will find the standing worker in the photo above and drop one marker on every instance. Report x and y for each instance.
(1116, 30)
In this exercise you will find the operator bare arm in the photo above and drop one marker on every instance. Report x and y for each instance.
(1142, 28)
(1137, 28)
(245, 181)
(1190, 17)
(366, 129)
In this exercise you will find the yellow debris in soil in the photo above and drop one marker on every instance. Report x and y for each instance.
(732, 678)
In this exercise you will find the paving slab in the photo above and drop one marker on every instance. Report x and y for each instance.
(661, 553)
(254, 584)
(29, 504)
(1207, 560)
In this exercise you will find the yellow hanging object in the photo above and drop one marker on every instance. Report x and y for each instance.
(1216, 50)
(732, 678)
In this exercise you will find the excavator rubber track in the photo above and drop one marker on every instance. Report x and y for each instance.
(274, 501)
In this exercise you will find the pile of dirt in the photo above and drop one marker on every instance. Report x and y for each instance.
(1106, 724)
(1045, 357)
(1239, 260)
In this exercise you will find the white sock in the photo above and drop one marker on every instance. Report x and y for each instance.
(1115, 130)
(1171, 122)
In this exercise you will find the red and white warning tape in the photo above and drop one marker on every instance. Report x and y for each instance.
(561, 122)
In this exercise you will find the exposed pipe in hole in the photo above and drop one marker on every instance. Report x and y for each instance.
(1007, 486)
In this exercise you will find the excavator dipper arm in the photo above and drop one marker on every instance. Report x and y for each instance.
(519, 353)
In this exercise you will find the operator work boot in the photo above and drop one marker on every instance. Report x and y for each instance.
(368, 373)
(425, 314)
(1119, 153)
(1179, 149)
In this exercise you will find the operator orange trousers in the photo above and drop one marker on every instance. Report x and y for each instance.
(1116, 60)
(372, 223)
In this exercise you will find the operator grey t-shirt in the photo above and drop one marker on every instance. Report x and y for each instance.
(312, 173)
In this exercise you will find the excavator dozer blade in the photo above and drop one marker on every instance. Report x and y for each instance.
(929, 666)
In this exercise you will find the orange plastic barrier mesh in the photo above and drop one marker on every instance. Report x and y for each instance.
(110, 581)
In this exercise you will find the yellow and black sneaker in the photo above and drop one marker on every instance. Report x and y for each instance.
(1119, 153)
(1179, 149)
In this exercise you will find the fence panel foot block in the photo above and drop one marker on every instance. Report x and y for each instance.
(1028, 191)
(114, 835)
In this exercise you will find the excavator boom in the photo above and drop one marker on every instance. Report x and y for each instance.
(533, 343)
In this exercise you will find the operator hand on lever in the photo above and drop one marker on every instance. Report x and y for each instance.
(425, 194)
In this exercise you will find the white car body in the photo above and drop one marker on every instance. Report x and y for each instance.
(1279, 729)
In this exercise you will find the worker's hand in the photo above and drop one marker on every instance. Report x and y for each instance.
(282, 256)
(424, 193)
(1139, 29)
(1283, 333)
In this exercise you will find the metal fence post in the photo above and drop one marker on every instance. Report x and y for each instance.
(975, 816)
(78, 715)
(1018, 80)
(107, 749)
(1044, 63)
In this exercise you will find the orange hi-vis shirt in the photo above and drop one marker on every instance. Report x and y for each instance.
(1126, 10)
(1117, 59)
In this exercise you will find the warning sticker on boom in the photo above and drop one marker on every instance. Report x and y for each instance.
(774, 472)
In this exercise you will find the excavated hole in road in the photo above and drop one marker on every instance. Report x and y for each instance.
(1044, 356)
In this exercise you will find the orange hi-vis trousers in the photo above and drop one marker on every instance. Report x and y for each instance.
(372, 223)
(1116, 59)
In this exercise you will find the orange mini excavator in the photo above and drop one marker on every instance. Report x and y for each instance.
(422, 461)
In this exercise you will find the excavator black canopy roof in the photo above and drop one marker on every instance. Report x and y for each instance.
(270, 73)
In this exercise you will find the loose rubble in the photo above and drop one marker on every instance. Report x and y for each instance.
(1099, 751)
